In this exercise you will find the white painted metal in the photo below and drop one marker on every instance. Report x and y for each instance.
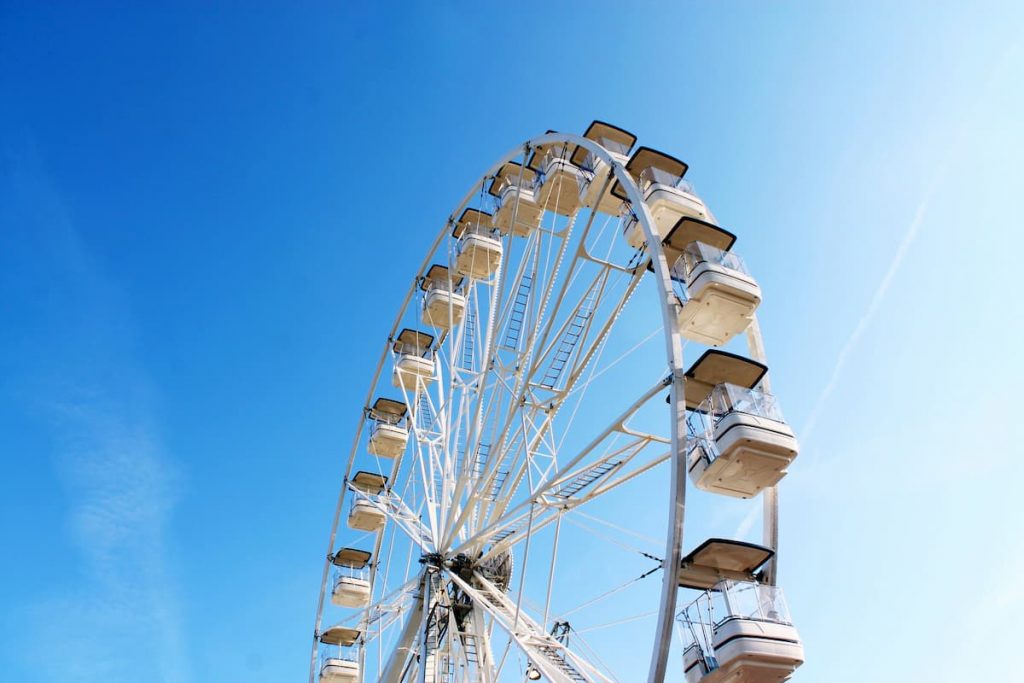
(770, 497)
(486, 418)
(403, 648)
(424, 656)
(557, 663)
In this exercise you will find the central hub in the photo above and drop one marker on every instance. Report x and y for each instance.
(496, 568)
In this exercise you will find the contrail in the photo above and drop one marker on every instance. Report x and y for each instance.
(747, 523)
(869, 313)
(897, 260)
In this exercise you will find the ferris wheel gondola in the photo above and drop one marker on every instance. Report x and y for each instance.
(521, 440)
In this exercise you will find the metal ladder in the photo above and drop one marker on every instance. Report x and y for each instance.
(462, 608)
(482, 451)
(554, 654)
(438, 483)
(586, 478)
(424, 418)
(518, 314)
(469, 647)
(437, 626)
(468, 339)
(514, 528)
(499, 480)
(571, 337)
(540, 641)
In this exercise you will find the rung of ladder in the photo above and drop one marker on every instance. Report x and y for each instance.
(468, 336)
(586, 478)
(518, 313)
(570, 338)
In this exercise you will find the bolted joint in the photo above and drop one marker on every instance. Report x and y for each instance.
(432, 561)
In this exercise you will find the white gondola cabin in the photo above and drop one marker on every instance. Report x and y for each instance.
(558, 185)
(718, 296)
(414, 359)
(514, 191)
(389, 432)
(351, 587)
(444, 305)
(596, 184)
(737, 630)
(339, 655)
(667, 195)
(739, 444)
(479, 250)
(369, 500)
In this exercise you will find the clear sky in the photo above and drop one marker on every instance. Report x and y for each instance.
(209, 212)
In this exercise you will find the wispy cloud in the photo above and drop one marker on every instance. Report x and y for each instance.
(117, 617)
(120, 489)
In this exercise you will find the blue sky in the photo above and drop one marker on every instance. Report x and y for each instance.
(197, 267)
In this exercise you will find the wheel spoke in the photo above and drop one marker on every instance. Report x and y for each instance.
(555, 661)
(565, 474)
(493, 455)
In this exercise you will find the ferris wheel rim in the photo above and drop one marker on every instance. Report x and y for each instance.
(675, 378)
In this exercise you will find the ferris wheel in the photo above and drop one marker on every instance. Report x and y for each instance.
(513, 503)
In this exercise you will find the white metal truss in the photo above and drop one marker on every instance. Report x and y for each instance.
(495, 454)
(556, 662)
